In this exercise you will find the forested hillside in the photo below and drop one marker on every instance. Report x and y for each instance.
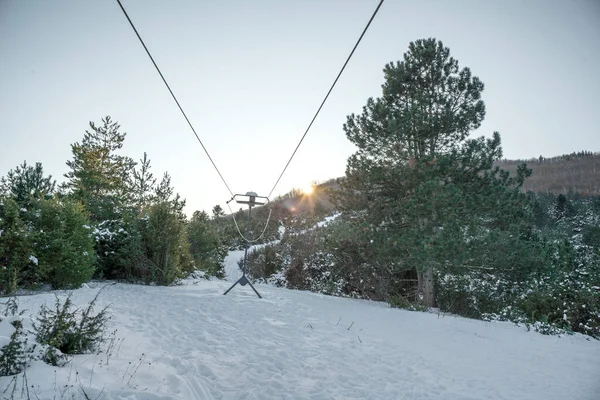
(570, 173)
(111, 219)
(426, 216)
(576, 173)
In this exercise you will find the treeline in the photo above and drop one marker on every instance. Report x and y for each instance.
(111, 219)
(427, 218)
(576, 173)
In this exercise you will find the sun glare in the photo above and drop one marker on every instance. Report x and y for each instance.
(308, 189)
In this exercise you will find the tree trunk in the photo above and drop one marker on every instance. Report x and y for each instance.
(426, 285)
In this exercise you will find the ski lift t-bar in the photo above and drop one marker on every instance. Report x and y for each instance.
(252, 199)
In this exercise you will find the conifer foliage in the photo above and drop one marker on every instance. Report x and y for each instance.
(99, 177)
(111, 219)
(416, 172)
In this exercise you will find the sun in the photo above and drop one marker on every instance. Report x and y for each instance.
(308, 189)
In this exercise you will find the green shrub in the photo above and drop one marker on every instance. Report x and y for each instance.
(264, 262)
(65, 249)
(67, 331)
(205, 245)
(165, 246)
(118, 247)
(15, 246)
(14, 354)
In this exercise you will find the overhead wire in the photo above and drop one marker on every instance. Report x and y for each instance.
(174, 98)
(240, 231)
(198, 137)
(327, 95)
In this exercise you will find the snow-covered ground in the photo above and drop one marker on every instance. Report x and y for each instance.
(191, 342)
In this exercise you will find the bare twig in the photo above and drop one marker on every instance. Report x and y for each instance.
(99, 394)
(136, 368)
(84, 393)
(126, 369)
(35, 392)
(70, 370)
(26, 383)
(119, 348)
(359, 339)
(92, 374)
(14, 377)
(338, 321)
(351, 325)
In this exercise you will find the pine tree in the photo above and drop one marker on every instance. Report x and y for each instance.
(164, 194)
(16, 244)
(415, 176)
(143, 184)
(205, 245)
(217, 212)
(64, 246)
(164, 238)
(26, 183)
(99, 178)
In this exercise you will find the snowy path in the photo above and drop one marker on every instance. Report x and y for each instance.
(191, 342)
(232, 271)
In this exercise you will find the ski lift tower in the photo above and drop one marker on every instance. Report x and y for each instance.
(253, 200)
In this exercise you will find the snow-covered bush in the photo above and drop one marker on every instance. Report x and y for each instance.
(118, 247)
(50, 336)
(165, 246)
(13, 340)
(205, 245)
(69, 331)
(45, 244)
(15, 246)
(264, 262)
(475, 294)
(565, 297)
(64, 247)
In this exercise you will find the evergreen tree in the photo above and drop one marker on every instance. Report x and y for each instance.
(415, 175)
(99, 177)
(164, 239)
(165, 245)
(217, 212)
(164, 193)
(205, 245)
(26, 183)
(15, 245)
(64, 248)
(143, 184)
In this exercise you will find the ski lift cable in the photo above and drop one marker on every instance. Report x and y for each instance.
(326, 96)
(174, 98)
(202, 144)
(240, 232)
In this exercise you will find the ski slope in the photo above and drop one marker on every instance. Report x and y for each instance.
(191, 342)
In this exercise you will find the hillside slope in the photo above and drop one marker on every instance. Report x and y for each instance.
(579, 173)
(191, 342)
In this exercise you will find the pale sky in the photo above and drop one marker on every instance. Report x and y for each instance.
(250, 75)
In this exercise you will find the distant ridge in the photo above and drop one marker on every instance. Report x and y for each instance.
(576, 172)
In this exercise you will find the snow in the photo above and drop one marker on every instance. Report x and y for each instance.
(192, 342)
(33, 260)
(328, 219)
(232, 271)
